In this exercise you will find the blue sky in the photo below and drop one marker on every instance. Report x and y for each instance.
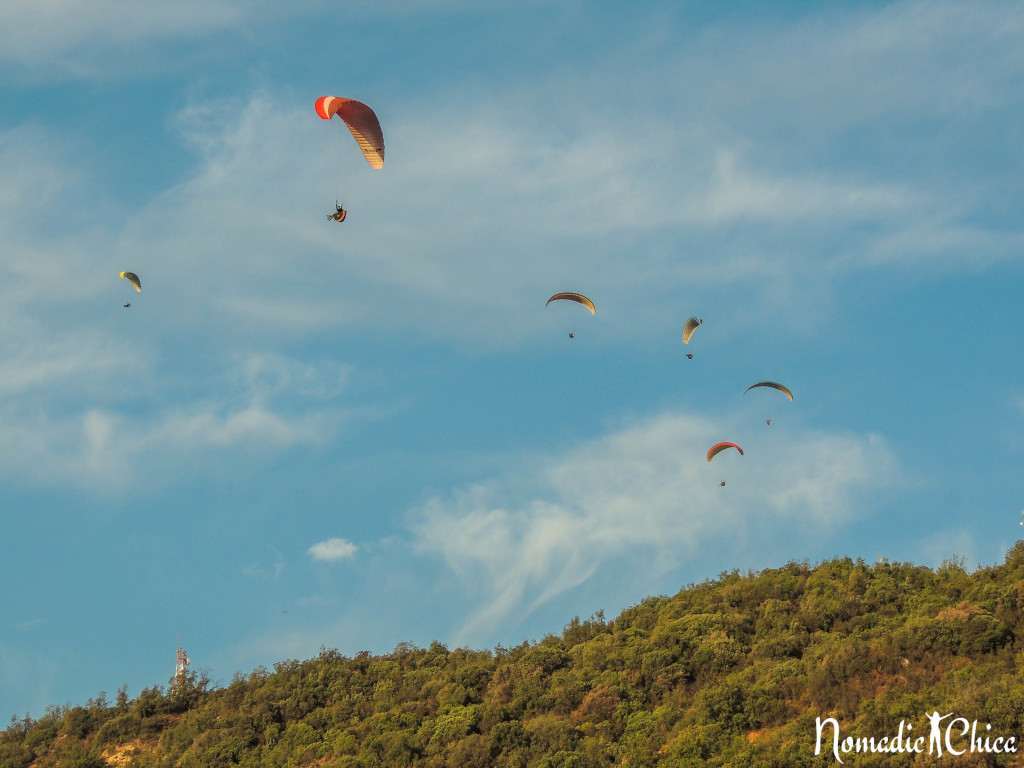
(306, 434)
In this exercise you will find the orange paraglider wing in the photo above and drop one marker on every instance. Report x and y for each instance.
(361, 121)
(717, 448)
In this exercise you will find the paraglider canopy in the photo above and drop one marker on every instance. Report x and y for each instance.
(690, 327)
(361, 121)
(132, 278)
(717, 448)
(579, 298)
(772, 385)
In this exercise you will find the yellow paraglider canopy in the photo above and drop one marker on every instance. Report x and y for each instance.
(132, 278)
(579, 298)
(690, 327)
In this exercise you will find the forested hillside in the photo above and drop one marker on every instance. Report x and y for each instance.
(731, 672)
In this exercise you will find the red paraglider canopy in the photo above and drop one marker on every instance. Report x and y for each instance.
(361, 121)
(717, 448)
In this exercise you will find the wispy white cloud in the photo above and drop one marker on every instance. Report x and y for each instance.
(863, 68)
(332, 550)
(47, 244)
(264, 572)
(271, 374)
(81, 37)
(25, 626)
(76, 37)
(108, 451)
(61, 23)
(36, 362)
(272, 405)
(737, 193)
(644, 494)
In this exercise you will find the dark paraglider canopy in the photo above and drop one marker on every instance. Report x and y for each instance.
(773, 385)
(132, 278)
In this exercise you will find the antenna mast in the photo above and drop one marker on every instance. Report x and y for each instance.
(180, 663)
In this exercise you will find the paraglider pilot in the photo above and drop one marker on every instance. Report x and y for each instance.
(338, 215)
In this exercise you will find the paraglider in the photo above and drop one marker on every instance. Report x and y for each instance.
(717, 448)
(689, 355)
(126, 306)
(579, 298)
(689, 328)
(571, 336)
(132, 278)
(365, 128)
(771, 385)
